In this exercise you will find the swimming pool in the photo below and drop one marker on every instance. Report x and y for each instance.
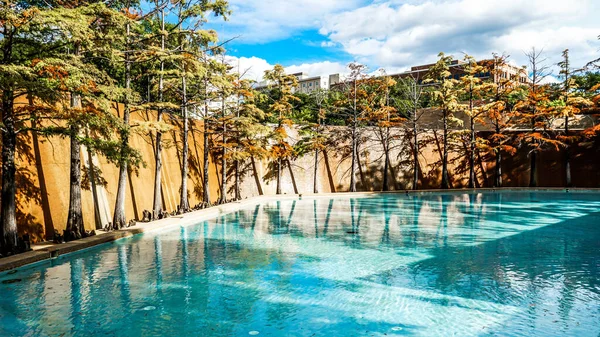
(431, 264)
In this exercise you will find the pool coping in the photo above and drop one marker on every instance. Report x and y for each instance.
(47, 251)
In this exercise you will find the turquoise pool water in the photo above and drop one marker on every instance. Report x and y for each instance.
(502, 264)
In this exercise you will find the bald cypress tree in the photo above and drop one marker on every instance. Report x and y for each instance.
(473, 90)
(571, 102)
(445, 96)
(45, 57)
(91, 31)
(281, 109)
(535, 113)
(500, 114)
(248, 135)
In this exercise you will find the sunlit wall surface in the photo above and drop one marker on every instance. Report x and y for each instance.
(508, 264)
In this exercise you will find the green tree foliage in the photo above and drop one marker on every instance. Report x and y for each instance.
(445, 95)
(248, 139)
(570, 103)
(504, 92)
(385, 118)
(352, 104)
(409, 99)
(535, 114)
(473, 91)
(281, 109)
(313, 112)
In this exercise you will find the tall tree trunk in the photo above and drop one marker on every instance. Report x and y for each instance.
(223, 198)
(316, 173)
(256, 178)
(316, 169)
(75, 229)
(8, 230)
(386, 150)
(533, 169)
(498, 168)
(294, 185)
(445, 182)
(205, 182)
(567, 155)
(354, 143)
(238, 195)
(472, 155)
(566, 71)
(415, 156)
(386, 147)
(278, 189)
(119, 220)
(184, 205)
(237, 180)
(157, 201)
(206, 188)
(92, 174)
(354, 159)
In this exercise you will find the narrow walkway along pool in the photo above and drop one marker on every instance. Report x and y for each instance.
(502, 264)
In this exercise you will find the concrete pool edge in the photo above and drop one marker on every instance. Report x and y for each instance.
(45, 251)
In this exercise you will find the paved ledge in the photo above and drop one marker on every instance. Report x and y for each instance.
(46, 250)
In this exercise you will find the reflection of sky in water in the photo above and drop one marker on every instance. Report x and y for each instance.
(501, 263)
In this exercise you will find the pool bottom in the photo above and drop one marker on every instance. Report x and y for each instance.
(509, 264)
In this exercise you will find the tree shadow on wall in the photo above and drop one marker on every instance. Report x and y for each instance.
(406, 164)
(28, 191)
(194, 157)
(245, 170)
(271, 174)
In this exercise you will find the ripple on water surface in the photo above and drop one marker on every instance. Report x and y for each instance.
(507, 264)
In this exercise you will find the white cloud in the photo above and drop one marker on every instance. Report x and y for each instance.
(318, 69)
(328, 44)
(254, 68)
(397, 34)
(257, 21)
(550, 80)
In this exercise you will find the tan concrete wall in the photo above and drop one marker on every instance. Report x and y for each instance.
(43, 174)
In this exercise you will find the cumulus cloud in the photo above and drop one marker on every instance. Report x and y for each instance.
(396, 34)
(318, 69)
(550, 80)
(254, 68)
(259, 21)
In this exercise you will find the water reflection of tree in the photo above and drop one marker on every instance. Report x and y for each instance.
(327, 218)
(223, 272)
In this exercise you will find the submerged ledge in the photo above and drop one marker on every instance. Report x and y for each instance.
(47, 251)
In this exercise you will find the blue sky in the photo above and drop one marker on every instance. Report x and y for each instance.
(322, 36)
(301, 47)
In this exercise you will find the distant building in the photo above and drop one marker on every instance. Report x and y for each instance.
(457, 71)
(308, 84)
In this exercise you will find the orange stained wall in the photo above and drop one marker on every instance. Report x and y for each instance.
(43, 174)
